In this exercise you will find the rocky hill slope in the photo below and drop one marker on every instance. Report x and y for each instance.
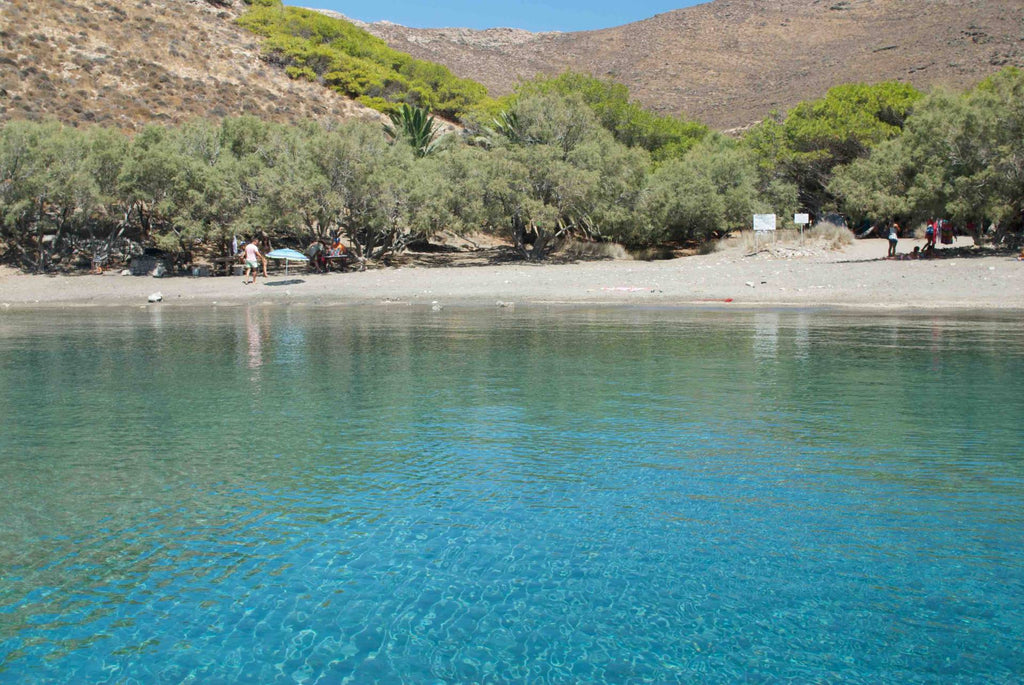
(728, 63)
(125, 63)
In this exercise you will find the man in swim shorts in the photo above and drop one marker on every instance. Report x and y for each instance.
(252, 260)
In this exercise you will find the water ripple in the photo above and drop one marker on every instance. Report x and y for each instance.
(538, 497)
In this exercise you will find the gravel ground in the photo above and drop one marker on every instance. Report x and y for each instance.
(784, 276)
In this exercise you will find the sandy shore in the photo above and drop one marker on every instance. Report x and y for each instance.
(788, 276)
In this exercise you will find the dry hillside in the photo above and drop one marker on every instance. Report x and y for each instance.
(728, 63)
(125, 63)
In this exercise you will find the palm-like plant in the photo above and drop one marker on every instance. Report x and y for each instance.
(416, 126)
(507, 124)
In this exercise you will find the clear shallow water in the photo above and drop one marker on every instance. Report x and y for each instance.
(322, 495)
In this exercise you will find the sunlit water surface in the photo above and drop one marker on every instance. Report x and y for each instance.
(334, 495)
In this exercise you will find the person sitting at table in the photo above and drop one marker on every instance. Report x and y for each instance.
(337, 249)
(316, 255)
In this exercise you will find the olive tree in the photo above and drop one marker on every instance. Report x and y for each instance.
(22, 194)
(207, 195)
(709, 191)
(50, 190)
(366, 177)
(554, 171)
(148, 179)
(960, 156)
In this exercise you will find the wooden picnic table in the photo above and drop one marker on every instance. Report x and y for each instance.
(226, 263)
(342, 260)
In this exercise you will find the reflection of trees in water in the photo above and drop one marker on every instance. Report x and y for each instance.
(801, 337)
(766, 336)
(277, 337)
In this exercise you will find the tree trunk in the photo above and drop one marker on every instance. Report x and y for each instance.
(542, 244)
(40, 265)
(39, 245)
(519, 236)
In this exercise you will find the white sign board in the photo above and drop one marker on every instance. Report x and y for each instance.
(801, 219)
(764, 222)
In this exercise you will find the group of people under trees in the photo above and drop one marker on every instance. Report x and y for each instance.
(318, 254)
(935, 230)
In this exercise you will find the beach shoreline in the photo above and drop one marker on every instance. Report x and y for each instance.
(855, 277)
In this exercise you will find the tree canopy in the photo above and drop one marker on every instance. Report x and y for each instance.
(960, 156)
(804, 147)
(549, 166)
(341, 56)
(630, 124)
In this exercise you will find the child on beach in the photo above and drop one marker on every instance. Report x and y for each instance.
(929, 234)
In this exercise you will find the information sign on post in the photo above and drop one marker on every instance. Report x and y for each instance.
(763, 225)
(801, 220)
(764, 222)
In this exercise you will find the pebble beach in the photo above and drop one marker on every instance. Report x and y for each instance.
(855, 276)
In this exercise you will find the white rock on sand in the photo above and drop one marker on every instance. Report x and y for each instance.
(856, 276)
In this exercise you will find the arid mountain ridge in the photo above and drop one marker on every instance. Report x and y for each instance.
(127, 63)
(727, 63)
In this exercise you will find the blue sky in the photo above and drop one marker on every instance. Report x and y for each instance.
(533, 15)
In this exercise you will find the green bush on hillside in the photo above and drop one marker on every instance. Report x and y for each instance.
(349, 60)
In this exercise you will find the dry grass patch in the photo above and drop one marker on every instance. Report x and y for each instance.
(588, 251)
(823, 236)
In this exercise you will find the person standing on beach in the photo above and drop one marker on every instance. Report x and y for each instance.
(894, 236)
(946, 232)
(252, 261)
(929, 234)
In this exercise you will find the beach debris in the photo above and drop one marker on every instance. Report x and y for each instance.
(159, 271)
(750, 284)
(436, 306)
(155, 297)
(506, 305)
(126, 272)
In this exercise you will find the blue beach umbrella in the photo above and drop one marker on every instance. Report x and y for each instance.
(287, 255)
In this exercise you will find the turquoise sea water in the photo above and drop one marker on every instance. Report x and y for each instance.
(570, 495)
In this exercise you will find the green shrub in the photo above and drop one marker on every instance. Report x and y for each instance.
(312, 45)
(665, 137)
(301, 73)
